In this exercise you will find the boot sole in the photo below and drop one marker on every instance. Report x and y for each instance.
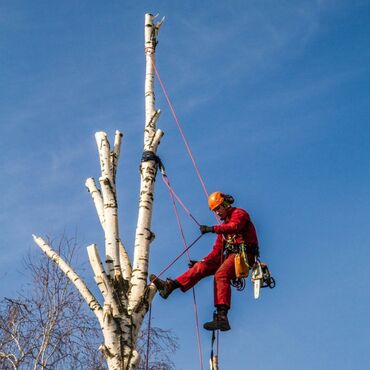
(220, 327)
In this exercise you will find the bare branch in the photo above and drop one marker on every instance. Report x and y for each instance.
(111, 227)
(75, 279)
(100, 275)
(48, 326)
(97, 198)
(104, 155)
(115, 154)
(125, 264)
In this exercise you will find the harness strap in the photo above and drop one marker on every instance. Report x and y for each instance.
(237, 248)
(148, 155)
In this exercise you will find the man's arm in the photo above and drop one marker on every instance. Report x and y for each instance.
(239, 219)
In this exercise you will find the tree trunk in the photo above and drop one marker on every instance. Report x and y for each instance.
(124, 289)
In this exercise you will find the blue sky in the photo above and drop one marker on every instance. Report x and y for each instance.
(274, 100)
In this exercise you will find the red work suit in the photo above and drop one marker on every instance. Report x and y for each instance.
(237, 228)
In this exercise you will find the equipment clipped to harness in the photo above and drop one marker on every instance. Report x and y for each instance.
(268, 280)
(261, 278)
(239, 284)
(241, 264)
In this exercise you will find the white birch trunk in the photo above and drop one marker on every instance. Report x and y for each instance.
(148, 170)
(124, 288)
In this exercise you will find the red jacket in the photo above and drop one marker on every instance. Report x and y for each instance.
(237, 228)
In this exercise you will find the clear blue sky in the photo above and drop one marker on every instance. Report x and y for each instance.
(274, 99)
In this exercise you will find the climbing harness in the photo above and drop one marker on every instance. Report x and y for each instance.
(238, 284)
(241, 264)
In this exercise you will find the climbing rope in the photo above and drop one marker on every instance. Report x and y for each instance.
(186, 250)
(172, 194)
(180, 128)
(151, 156)
(179, 256)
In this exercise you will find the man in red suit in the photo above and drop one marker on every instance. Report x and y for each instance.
(235, 232)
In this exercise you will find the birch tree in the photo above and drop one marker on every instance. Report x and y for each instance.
(47, 326)
(125, 294)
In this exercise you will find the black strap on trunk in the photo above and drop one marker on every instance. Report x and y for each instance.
(148, 155)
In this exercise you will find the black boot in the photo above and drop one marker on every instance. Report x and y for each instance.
(165, 287)
(220, 321)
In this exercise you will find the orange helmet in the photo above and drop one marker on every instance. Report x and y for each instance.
(215, 200)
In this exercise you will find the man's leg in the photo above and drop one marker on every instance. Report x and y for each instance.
(222, 295)
(185, 281)
(199, 271)
(223, 276)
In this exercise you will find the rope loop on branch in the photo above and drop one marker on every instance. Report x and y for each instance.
(148, 155)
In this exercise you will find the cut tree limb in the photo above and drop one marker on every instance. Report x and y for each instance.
(75, 279)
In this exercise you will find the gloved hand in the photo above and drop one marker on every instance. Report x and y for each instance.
(192, 263)
(206, 229)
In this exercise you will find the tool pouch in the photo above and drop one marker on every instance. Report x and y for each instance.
(241, 265)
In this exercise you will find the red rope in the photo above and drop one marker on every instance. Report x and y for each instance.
(199, 176)
(179, 256)
(167, 182)
(188, 255)
(180, 129)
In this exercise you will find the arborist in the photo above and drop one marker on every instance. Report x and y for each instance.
(234, 234)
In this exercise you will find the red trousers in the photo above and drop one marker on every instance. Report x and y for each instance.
(223, 272)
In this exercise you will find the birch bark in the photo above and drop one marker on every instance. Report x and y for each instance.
(124, 288)
(144, 235)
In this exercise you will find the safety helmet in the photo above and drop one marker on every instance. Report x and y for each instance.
(215, 200)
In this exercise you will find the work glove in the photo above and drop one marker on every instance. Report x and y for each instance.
(206, 229)
(192, 263)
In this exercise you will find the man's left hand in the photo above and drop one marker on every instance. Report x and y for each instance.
(206, 229)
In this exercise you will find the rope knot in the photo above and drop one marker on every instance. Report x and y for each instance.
(148, 155)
